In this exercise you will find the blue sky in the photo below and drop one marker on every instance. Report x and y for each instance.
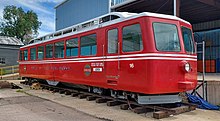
(44, 9)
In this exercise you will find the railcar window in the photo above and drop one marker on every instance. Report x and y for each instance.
(33, 53)
(166, 37)
(72, 47)
(59, 49)
(40, 52)
(108, 18)
(25, 55)
(187, 39)
(49, 51)
(132, 38)
(113, 41)
(20, 55)
(88, 45)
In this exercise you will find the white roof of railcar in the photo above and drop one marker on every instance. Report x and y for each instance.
(79, 28)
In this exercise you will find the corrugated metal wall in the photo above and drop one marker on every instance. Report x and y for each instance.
(10, 54)
(213, 91)
(212, 39)
(76, 11)
(212, 48)
(206, 25)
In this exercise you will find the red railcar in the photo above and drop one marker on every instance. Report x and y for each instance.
(148, 56)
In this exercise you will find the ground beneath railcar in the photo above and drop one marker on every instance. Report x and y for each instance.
(16, 106)
(61, 107)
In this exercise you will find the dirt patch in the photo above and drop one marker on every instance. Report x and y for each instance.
(5, 84)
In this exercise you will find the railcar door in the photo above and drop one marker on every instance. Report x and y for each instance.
(112, 56)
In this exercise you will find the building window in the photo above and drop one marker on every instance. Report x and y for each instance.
(166, 37)
(132, 38)
(72, 47)
(40, 52)
(49, 51)
(59, 49)
(33, 53)
(88, 45)
(25, 55)
(2, 60)
(113, 41)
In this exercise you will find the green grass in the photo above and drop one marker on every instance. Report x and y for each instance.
(8, 70)
(5, 71)
(22, 91)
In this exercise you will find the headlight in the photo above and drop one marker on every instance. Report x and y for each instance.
(187, 67)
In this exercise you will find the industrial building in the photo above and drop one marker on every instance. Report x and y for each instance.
(204, 15)
(71, 12)
(9, 49)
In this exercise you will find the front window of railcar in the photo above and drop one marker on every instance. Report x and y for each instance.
(188, 40)
(166, 37)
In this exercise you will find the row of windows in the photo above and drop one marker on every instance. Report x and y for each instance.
(88, 46)
(166, 39)
(132, 41)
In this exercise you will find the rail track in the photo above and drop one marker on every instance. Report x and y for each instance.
(159, 111)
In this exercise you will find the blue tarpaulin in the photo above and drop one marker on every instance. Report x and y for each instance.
(201, 103)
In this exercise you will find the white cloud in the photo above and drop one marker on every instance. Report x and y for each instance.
(42, 33)
(49, 1)
(33, 5)
(43, 8)
(1, 14)
(48, 24)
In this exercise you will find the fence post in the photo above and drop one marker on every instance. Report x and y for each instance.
(12, 68)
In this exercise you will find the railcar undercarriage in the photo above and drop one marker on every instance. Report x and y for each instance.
(117, 94)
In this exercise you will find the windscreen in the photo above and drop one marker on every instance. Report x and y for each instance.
(188, 41)
(166, 37)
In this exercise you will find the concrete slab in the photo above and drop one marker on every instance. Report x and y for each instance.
(31, 108)
(114, 113)
(210, 76)
(4, 93)
(109, 113)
